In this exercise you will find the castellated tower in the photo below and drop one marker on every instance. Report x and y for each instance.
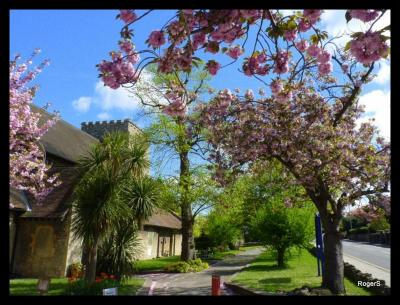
(99, 129)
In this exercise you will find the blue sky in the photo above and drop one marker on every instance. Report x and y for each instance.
(76, 40)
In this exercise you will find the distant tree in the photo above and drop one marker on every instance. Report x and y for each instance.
(281, 228)
(222, 231)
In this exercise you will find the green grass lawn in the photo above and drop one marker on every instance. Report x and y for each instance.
(156, 263)
(28, 286)
(59, 285)
(264, 274)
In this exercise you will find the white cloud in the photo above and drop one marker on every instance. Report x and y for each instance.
(334, 22)
(104, 116)
(110, 99)
(377, 105)
(82, 104)
(121, 99)
(383, 75)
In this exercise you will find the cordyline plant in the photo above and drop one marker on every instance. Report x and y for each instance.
(28, 169)
(308, 122)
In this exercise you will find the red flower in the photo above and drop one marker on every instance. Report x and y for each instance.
(98, 279)
(112, 276)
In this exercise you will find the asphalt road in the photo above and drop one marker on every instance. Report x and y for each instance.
(376, 255)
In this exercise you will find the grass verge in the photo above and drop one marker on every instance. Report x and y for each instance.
(264, 274)
(58, 286)
(156, 264)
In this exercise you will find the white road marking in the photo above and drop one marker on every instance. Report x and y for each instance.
(153, 284)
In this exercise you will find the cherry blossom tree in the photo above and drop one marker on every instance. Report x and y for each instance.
(308, 122)
(28, 168)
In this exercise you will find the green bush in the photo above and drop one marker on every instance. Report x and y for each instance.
(361, 230)
(222, 231)
(181, 267)
(120, 251)
(379, 224)
(195, 265)
(75, 270)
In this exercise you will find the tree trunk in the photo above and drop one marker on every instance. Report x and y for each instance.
(90, 274)
(333, 277)
(281, 257)
(188, 247)
(85, 256)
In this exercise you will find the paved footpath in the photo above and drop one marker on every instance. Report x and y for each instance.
(198, 283)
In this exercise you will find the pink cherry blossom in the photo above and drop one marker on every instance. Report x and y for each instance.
(364, 15)
(324, 56)
(235, 52)
(325, 68)
(290, 35)
(28, 169)
(281, 62)
(312, 15)
(213, 67)
(304, 25)
(156, 39)
(276, 87)
(127, 16)
(313, 50)
(199, 39)
(368, 47)
(126, 46)
(302, 45)
(261, 58)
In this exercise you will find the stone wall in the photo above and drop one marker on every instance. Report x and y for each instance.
(99, 129)
(178, 244)
(41, 247)
(373, 238)
(74, 250)
(149, 240)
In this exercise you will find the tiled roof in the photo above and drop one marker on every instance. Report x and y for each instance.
(164, 219)
(57, 203)
(18, 201)
(64, 140)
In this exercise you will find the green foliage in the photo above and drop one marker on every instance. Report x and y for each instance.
(112, 195)
(281, 228)
(351, 222)
(379, 224)
(195, 265)
(360, 230)
(141, 196)
(75, 270)
(119, 252)
(222, 231)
